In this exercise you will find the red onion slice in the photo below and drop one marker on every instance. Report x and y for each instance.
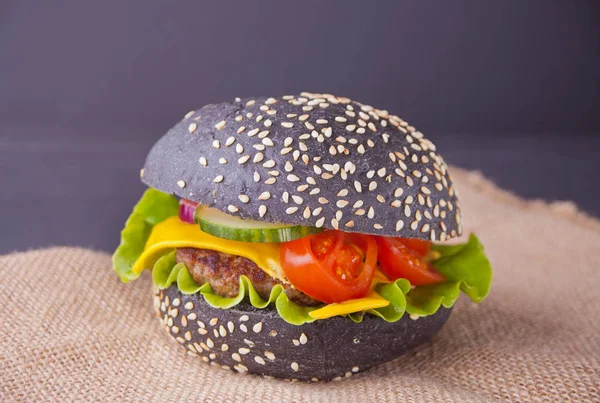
(186, 210)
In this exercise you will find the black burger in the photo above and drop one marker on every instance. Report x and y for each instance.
(299, 237)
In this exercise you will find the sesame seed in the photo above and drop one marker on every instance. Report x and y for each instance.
(243, 350)
(258, 157)
(189, 305)
(377, 226)
(269, 164)
(218, 179)
(262, 210)
(342, 203)
(273, 333)
(268, 142)
(222, 331)
(222, 160)
(232, 208)
(220, 125)
(371, 126)
(291, 210)
(350, 128)
(317, 211)
(309, 126)
(269, 355)
(210, 343)
(287, 142)
(335, 223)
(303, 339)
(322, 121)
(297, 199)
(340, 119)
(371, 212)
(259, 360)
(264, 196)
(328, 131)
(399, 225)
(181, 183)
(292, 178)
(380, 199)
(295, 366)
(267, 123)
(302, 146)
(270, 181)
(360, 212)
(244, 198)
(295, 155)
(305, 159)
(323, 200)
(360, 130)
(361, 149)
(236, 357)
(320, 222)
(192, 127)
(216, 144)
(414, 225)
(372, 185)
(287, 125)
(202, 331)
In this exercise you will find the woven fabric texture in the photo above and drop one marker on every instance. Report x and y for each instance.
(70, 331)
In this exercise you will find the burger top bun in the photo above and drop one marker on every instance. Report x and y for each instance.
(309, 159)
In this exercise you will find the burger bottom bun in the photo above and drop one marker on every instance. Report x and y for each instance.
(258, 341)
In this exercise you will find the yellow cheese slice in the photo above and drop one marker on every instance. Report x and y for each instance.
(372, 300)
(173, 233)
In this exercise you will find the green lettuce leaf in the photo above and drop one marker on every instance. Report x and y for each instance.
(167, 271)
(468, 265)
(154, 207)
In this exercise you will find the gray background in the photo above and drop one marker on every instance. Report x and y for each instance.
(510, 88)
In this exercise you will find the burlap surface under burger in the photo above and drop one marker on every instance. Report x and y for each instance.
(72, 331)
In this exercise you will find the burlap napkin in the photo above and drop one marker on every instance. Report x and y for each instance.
(72, 331)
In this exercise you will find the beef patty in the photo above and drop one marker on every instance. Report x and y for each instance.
(223, 271)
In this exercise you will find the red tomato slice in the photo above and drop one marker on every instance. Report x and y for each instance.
(332, 266)
(404, 258)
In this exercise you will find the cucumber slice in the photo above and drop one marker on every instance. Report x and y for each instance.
(222, 225)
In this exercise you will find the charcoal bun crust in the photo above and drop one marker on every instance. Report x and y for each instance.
(249, 340)
(309, 159)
